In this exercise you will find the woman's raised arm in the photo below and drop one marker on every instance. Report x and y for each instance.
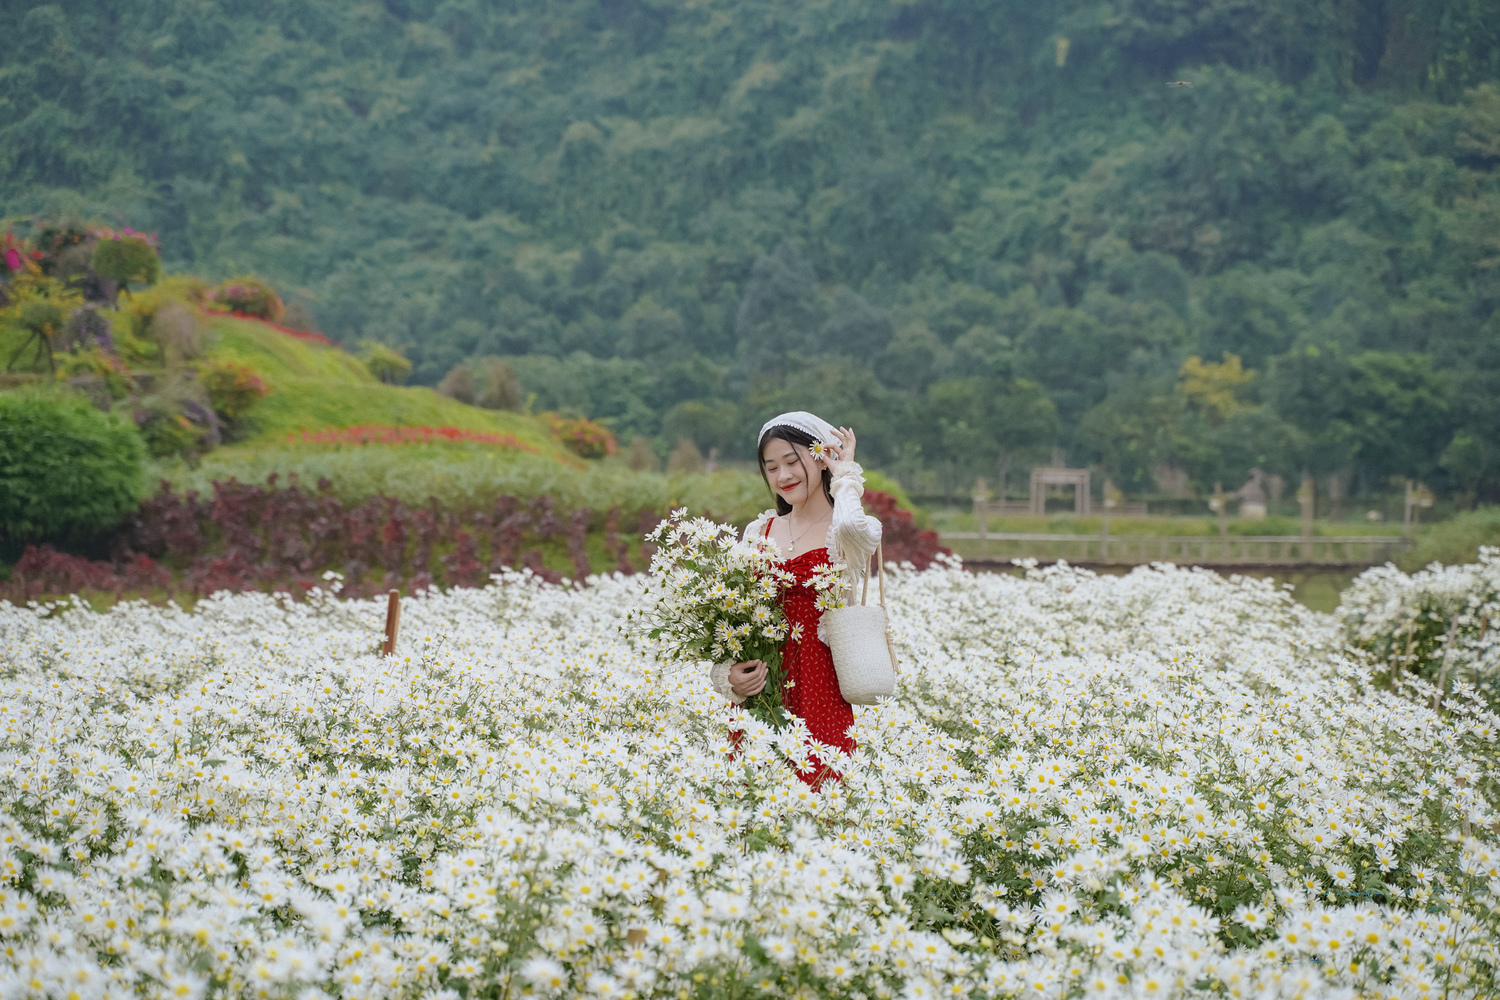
(854, 535)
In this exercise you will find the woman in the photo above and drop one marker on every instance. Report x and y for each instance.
(809, 466)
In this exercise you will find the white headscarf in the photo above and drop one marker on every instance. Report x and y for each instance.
(820, 429)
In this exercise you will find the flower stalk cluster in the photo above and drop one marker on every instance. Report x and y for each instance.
(1440, 626)
(714, 596)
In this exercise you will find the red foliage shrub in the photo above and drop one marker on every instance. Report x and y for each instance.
(279, 538)
(578, 528)
(232, 388)
(44, 570)
(250, 297)
(545, 523)
(461, 567)
(505, 548)
(614, 545)
(584, 438)
(532, 560)
(904, 541)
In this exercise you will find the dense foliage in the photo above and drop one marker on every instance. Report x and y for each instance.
(66, 470)
(973, 230)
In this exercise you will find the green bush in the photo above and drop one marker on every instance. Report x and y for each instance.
(123, 258)
(385, 363)
(502, 390)
(584, 438)
(65, 468)
(1455, 542)
(167, 431)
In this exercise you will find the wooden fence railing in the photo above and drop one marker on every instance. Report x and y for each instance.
(985, 509)
(1199, 550)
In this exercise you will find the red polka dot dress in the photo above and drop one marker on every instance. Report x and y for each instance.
(811, 691)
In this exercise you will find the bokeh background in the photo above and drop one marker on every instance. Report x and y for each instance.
(1171, 242)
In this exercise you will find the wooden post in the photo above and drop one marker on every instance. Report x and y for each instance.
(1417, 497)
(1219, 504)
(392, 622)
(981, 503)
(1307, 499)
(1112, 497)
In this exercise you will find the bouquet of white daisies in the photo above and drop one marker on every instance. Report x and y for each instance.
(716, 599)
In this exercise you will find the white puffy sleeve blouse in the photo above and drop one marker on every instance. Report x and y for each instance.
(853, 537)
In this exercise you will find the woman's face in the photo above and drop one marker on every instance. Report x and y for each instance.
(789, 467)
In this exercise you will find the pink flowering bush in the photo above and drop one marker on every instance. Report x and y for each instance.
(250, 297)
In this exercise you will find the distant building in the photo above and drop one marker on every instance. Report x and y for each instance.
(1253, 496)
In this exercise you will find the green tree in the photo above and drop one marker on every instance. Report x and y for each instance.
(458, 384)
(1141, 424)
(502, 389)
(1400, 409)
(1311, 390)
(1388, 413)
(984, 425)
(385, 363)
(122, 259)
(709, 425)
(779, 314)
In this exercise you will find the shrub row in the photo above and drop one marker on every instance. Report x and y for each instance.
(248, 537)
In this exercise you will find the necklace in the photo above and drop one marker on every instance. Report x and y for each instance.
(805, 530)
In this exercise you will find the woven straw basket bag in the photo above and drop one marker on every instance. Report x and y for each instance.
(859, 637)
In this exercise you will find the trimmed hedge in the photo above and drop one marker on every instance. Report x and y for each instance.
(65, 468)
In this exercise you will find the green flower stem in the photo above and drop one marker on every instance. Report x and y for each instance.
(767, 706)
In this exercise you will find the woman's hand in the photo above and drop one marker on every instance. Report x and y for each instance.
(748, 679)
(841, 448)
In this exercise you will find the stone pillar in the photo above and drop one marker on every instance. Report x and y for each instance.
(1307, 498)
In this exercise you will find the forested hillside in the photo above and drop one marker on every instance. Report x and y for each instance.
(974, 230)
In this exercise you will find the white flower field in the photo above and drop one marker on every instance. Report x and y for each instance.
(1155, 785)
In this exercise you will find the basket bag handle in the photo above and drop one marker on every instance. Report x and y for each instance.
(880, 562)
(890, 645)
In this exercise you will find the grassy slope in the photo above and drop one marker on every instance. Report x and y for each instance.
(314, 386)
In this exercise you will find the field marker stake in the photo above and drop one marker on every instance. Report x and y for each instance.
(392, 622)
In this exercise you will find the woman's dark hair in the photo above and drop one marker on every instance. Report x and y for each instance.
(791, 435)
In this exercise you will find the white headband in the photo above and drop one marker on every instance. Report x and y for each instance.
(816, 426)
